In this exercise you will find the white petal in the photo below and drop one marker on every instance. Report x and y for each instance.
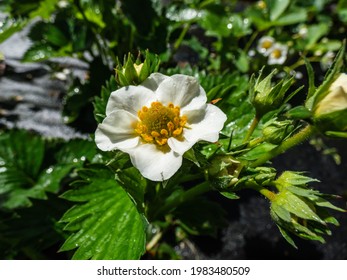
(179, 146)
(183, 91)
(153, 81)
(153, 163)
(341, 81)
(131, 99)
(116, 132)
(202, 125)
(206, 128)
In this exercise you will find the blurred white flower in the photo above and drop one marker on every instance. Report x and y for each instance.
(157, 122)
(327, 60)
(303, 32)
(277, 54)
(265, 44)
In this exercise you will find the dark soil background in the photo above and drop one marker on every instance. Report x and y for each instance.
(31, 98)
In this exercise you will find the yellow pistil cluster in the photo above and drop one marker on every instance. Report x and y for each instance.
(276, 53)
(267, 44)
(158, 123)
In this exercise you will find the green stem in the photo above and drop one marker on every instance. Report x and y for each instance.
(300, 62)
(186, 196)
(253, 126)
(296, 139)
(250, 41)
(265, 192)
(181, 37)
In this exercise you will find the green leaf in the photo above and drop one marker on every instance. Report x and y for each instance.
(101, 102)
(215, 24)
(134, 184)
(295, 16)
(259, 150)
(277, 211)
(38, 52)
(55, 36)
(45, 9)
(76, 152)
(298, 206)
(10, 27)
(287, 237)
(288, 178)
(230, 195)
(24, 173)
(104, 222)
(190, 155)
(276, 8)
(21, 156)
(242, 61)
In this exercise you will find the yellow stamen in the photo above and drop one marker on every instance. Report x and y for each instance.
(159, 122)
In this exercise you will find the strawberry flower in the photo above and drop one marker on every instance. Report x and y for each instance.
(157, 122)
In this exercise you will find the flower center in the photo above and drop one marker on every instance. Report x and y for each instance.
(158, 123)
(267, 44)
(276, 53)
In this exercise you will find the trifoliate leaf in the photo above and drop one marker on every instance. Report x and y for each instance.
(24, 173)
(105, 223)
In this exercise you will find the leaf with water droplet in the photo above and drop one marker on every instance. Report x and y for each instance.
(106, 225)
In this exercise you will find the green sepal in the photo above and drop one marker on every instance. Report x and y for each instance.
(299, 112)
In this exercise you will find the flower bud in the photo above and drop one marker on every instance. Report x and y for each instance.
(224, 171)
(264, 96)
(330, 113)
(276, 131)
(134, 73)
(299, 210)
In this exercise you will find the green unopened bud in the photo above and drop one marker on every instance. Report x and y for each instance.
(276, 131)
(330, 113)
(224, 171)
(264, 96)
(299, 210)
(134, 73)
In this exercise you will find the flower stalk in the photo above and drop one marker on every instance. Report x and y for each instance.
(296, 139)
(265, 192)
(253, 126)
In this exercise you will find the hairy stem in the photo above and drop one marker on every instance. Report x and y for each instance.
(265, 192)
(253, 126)
(296, 139)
